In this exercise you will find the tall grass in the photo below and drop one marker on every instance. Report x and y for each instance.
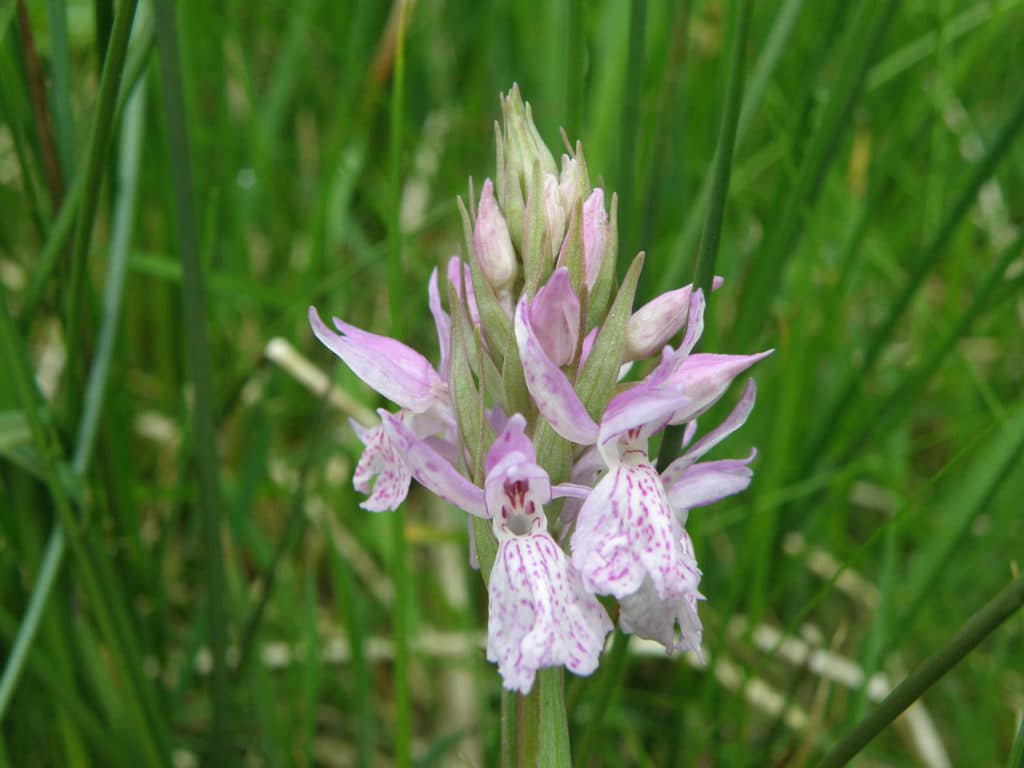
(184, 572)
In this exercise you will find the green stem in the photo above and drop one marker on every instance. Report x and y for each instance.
(99, 138)
(575, 66)
(397, 289)
(614, 669)
(981, 625)
(198, 355)
(99, 374)
(710, 237)
(630, 119)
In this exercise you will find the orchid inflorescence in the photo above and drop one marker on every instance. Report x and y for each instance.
(532, 408)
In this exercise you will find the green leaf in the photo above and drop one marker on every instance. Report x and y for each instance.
(597, 378)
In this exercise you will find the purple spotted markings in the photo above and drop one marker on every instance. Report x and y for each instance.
(595, 517)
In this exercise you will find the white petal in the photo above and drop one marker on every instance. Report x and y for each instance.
(625, 532)
(539, 615)
(381, 461)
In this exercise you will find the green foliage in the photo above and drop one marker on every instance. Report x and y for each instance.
(869, 232)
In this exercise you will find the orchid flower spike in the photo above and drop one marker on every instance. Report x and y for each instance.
(536, 344)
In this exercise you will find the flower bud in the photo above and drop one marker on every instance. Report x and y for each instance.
(569, 183)
(595, 236)
(492, 244)
(554, 213)
(524, 148)
(555, 316)
(650, 327)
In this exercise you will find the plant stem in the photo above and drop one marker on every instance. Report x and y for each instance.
(396, 285)
(198, 355)
(710, 237)
(981, 625)
(99, 137)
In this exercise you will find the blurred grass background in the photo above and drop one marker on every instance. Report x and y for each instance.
(241, 157)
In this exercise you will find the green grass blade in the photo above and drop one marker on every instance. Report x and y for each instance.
(575, 65)
(894, 408)
(630, 120)
(99, 139)
(862, 44)
(121, 237)
(30, 622)
(198, 353)
(397, 290)
(981, 625)
(775, 45)
(60, 61)
(63, 227)
(993, 463)
(712, 233)
(1016, 759)
(90, 559)
(928, 260)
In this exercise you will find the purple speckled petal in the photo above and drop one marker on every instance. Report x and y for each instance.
(555, 314)
(550, 389)
(441, 321)
(646, 615)
(709, 482)
(539, 615)
(625, 532)
(644, 404)
(706, 378)
(398, 372)
(431, 469)
(732, 422)
(381, 469)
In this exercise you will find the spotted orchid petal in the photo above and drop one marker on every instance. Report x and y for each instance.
(644, 405)
(706, 377)
(431, 469)
(555, 314)
(708, 482)
(399, 373)
(625, 532)
(549, 387)
(381, 469)
(442, 322)
(673, 622)
(539, 614)
(732, 422)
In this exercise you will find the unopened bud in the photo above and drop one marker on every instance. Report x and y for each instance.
(492, 244)
(524, 148)
(652, 326)
(554, 213)
(555, 317)
(595, 236)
